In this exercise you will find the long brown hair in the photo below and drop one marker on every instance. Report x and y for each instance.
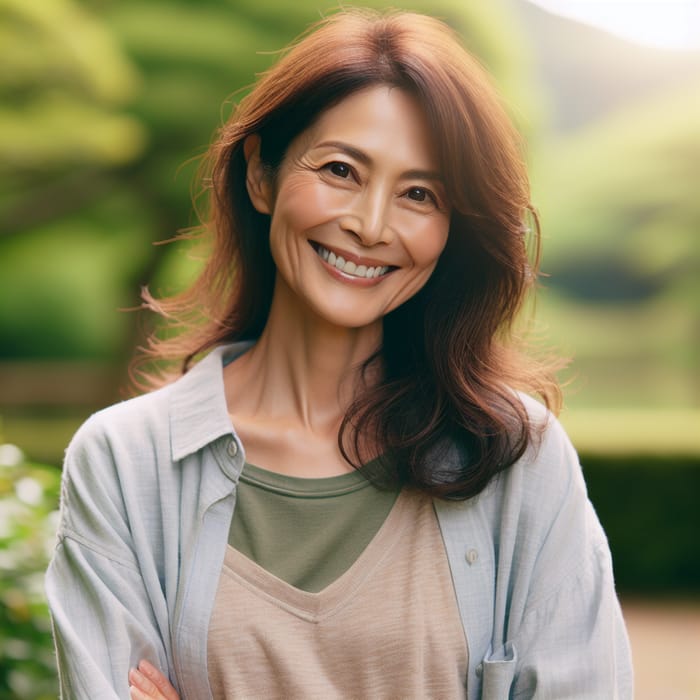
(450, 361)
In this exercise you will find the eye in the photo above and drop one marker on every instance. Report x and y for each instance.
(417, 194)
(421, 195)
(339, 169)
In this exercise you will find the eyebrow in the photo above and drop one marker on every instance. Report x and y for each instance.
(365, 159)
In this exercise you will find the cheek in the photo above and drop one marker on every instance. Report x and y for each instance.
(427, 241)
(302, 205)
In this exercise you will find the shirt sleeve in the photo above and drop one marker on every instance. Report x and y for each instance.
(104, 613)
(574, 644)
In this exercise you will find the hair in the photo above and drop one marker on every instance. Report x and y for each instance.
(451, 360)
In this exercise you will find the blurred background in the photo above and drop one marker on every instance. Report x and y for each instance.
(105, 107)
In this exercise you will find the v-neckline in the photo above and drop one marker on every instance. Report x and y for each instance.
(315, 606)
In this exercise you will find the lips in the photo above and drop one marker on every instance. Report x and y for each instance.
(350, 264)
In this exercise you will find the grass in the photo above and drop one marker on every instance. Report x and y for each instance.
(669, 432)
(41, 438)
(625, 357)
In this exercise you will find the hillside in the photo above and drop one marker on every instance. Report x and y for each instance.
(587, 72)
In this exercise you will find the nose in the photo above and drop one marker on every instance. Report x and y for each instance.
(367, 219)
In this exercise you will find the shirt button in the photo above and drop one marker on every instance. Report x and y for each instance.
(471, 556)
(232, 448)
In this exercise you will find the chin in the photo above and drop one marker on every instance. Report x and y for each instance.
(354, 318)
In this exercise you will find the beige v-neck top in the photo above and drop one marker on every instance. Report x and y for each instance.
(388, 627)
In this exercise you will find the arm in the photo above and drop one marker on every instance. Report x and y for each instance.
(558, 628)
(106, 614)
(574, 644)
(571, 638)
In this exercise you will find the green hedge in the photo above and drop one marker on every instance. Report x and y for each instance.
(650, 509)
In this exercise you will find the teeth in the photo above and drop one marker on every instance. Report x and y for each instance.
(350, 268)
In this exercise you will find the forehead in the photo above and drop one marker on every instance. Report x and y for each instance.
(383, 121)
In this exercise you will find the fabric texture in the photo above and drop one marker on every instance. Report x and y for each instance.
(389, 627)
(148, 494)
(306, 531)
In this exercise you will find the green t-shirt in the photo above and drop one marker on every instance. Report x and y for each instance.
(307, 532)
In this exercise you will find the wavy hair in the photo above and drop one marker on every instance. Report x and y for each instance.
(450, 359)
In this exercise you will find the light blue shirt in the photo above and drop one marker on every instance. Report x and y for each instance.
(148, 493)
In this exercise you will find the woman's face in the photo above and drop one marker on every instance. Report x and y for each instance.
(358, 210)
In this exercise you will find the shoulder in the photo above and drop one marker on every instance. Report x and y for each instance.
(541, 489)
(128, 427)
(540, 477)
(111, 472)
(545, 515)
(540, 504)
(550, 465)
(164, 426)
(117, 458)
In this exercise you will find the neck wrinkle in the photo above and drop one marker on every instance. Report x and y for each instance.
(305, 368)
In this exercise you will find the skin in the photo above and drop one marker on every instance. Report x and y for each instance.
(147, 683)
(363, 182)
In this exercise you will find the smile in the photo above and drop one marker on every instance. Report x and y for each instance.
(349, 267)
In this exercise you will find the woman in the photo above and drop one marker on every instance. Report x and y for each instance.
(349, 496)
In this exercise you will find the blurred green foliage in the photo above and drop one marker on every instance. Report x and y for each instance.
(28, 503)
(63, 107)
(108, 106)
(621, 215)
(640, 216)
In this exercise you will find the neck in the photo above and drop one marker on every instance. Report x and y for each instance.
(304, 368)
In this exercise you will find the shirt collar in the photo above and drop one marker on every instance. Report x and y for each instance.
(198, 410)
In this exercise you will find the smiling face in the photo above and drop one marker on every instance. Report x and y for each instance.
(358, 210)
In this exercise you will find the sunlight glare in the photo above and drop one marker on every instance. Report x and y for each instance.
(672, 24)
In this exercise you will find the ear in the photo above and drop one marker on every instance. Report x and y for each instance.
(257, 180)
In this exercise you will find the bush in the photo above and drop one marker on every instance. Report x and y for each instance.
(28, 517)
(648, 506)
